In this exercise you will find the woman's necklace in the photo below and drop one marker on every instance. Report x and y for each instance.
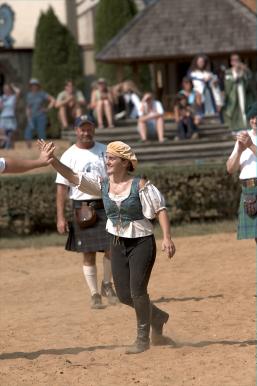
(120, 188)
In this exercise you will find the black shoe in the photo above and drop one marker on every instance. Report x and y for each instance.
(96, 302)
(161, 340)
(158, 319)
(142, 307)
(108, 292)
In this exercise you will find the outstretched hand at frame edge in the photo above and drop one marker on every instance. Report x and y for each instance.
(46, 151)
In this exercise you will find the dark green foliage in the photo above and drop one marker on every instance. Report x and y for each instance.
(56, 57)
(27, 203)
(111, 17)
(197, 193)
(192, 194)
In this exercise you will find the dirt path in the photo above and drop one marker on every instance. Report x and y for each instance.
(50, 336)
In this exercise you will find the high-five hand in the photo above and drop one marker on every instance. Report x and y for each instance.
(46, 151)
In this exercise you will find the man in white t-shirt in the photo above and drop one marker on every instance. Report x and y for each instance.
(86, 156)
(244, 158)
(151, 118)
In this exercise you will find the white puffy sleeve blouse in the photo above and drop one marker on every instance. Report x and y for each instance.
(150, 197)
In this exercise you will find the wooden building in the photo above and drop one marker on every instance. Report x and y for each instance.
(169, 33)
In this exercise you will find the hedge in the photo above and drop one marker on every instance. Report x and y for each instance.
(197, 193)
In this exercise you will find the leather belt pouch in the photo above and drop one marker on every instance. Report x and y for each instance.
(250, 204)
(85, 215)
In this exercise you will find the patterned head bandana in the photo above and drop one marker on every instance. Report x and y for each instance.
(122, 150)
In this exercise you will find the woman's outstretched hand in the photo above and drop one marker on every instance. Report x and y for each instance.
(46, 151)
(169, 247)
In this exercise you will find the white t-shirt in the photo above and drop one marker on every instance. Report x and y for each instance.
(2, 165)
(248, 161)
(83, 160)
(156, 108)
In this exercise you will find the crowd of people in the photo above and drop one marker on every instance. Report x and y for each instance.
(225, 94)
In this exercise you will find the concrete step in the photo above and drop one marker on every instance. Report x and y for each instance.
(215, 142)
(221, 154)
(182, 143)
(131, 134)
(187, 148)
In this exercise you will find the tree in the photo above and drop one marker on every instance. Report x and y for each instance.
(56, 57)
(111, 17)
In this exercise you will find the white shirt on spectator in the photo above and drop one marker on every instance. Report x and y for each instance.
(248, 161)
(156, 108)
(2, 165)
(86, 161)
(134, 98)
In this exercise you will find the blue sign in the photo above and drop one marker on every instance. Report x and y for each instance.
(6, 25)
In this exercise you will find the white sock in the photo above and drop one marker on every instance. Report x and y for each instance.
(107, 276)
(90, 273)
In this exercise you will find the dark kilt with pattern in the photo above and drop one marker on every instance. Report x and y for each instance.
(247, 226)
(91, 239)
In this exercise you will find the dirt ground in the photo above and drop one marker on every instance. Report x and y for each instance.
(50, 336)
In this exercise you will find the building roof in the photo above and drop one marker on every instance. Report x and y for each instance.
(172, 28)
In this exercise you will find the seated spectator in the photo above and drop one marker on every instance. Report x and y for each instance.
(193, 99)
(102, 104)
(185, 118)
(36, 111)
(132, 99)
(70, 103)
(119, 106)
(206, 85)
(151, 117)
(8, 122)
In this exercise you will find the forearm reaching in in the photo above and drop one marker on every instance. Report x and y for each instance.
(21, 166)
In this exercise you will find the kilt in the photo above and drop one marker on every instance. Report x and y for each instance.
(247, 226)
(91, 239)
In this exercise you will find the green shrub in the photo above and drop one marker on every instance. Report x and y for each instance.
(192, 194)
(198, 192)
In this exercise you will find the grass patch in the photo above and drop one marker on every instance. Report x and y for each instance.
(54, 239)
(198, 229)
(33, 241)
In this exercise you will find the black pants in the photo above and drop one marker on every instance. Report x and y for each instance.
(132, 262)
